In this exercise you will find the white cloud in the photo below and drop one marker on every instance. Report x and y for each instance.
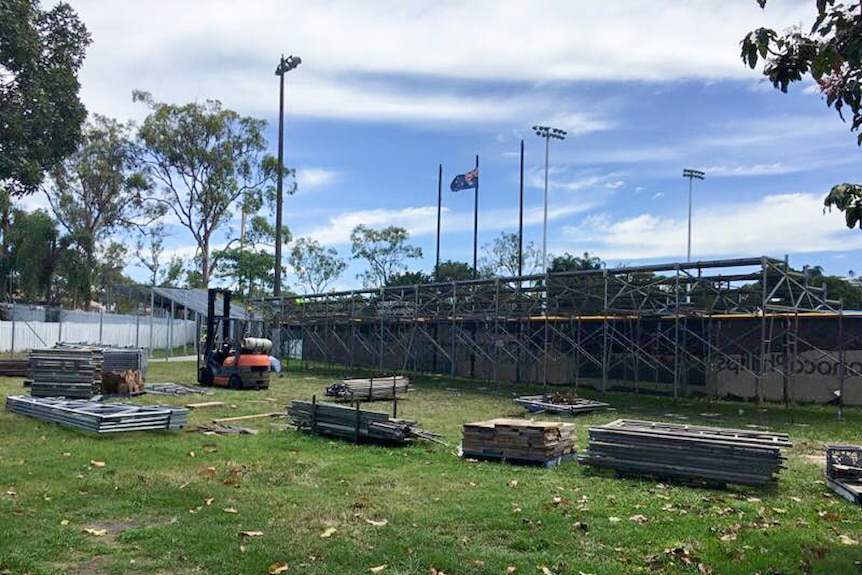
(658, 195)
(774, 225)
(422, 220)
(309, 179)
(199, 49)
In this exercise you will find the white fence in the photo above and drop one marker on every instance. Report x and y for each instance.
(161, 333)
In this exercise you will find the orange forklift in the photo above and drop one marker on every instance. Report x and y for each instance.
(229, 359)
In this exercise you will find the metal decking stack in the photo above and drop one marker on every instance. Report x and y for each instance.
(353, 423)
(519, 441)
(712, 455)
(66, 372)
(844, 471)
(560, 404)
(99, 417)
(372, 389)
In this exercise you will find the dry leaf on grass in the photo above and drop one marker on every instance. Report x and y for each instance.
(614, 519)
(704, 569)
(476, 562)
(64, 522)
(779, 510)
(209, 501)
(828, 516)
(277, 568)
(208, 471)
(639, 518)
(545, 570)
(847, 540)
(242, 548)
(230, 510)
(513, 483)
(378, 569)
(251, 533)
(511, 569)
(380, 523)
(95, 532)
(95, 463)
(796, 499)
(328, 532)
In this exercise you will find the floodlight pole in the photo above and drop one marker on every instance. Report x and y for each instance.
(285, 65)
(547, 133)
(691, 175)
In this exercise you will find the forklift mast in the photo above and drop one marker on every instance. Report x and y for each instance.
(212, 294)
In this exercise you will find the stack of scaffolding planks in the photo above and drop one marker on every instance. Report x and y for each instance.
(560, 404)
(353, 423)
(99, 417)
(712, 455)
(66, 372)
(519, 441)
(844, 471)
(372, 389)
(14, 367)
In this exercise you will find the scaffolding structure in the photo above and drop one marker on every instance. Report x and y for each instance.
(668, 328)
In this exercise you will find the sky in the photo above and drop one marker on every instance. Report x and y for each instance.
(388, 90)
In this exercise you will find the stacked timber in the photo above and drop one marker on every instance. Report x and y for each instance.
(353, 423)
(66, 372)
(372, 389)
(844, 471)
(14, 367)
(712, 455)
(560, 404)
(519, 440)
(99, 417)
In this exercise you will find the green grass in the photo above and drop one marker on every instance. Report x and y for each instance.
(442, 512)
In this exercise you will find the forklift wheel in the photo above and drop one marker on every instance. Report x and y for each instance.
(235, 382)
(207, 378)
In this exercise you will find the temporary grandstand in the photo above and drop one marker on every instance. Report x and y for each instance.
(751, 328)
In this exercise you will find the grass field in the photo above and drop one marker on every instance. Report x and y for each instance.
(178, 503)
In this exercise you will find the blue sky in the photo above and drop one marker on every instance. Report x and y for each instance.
(388, 90)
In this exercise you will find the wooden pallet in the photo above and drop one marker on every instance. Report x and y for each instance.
(518, 440)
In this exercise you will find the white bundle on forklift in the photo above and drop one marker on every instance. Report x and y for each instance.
(256, 344)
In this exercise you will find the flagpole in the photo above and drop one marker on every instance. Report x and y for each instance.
(439, 208)
(521, 217)
(476, 221)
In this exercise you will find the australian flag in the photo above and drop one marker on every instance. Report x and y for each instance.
(466, 181)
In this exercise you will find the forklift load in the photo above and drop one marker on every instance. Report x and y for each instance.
(228, 358)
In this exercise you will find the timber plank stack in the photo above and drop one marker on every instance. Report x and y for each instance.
(844, 471)
(712, 455)
(371, 389)
(518, 440)
(99, 417)
(352, 423)
(560, 404)
(66, 372)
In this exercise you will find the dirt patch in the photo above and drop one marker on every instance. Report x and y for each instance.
(116, 528)
(94, 566)
(819, 460)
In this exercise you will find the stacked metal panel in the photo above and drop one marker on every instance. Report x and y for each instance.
(711, 455)
(518, 440)
(351, 423)
(844, 471)
(66, 372)
(372, 389)
(99, 417)
(117, 359)
(560, 404)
